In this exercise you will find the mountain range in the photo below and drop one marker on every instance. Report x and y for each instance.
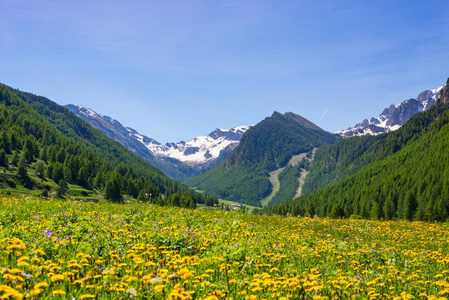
(266, 147)
(401, 173)
(44, 148)
(178, 160)
(394, 116)
(242, 179)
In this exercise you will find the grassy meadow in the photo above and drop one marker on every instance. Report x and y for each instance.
(51, 249)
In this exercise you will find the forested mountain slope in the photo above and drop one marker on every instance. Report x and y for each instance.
(406, 175)
(265, 147)
(347, 157)
(64, 147)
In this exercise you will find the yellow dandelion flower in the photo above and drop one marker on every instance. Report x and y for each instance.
(57, 278)
(58, 292)
(87, 296)
(40, 285)
(159, 288)
(36, 292)
(39, 252)
(23, 264)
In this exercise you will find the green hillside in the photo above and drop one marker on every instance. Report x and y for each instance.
(410, 182)
(243, 175)
(334, 163)
(37, 134)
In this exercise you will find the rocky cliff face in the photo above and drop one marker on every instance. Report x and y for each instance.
(394, 116)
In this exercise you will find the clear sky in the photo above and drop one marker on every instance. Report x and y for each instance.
(174, 70)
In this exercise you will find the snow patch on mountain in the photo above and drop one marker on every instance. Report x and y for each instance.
(394, 116)
(201, 149)
(88, 112)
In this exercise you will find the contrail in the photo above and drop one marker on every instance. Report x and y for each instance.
(325, 111)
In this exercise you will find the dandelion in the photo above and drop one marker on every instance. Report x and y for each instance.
(159, 288)
(40, 285)
(57, 278)
(86, 296)
(58, 292)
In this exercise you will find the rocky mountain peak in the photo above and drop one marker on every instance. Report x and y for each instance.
(394, 116)
(174, 159)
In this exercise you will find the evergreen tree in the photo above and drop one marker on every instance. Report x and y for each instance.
(389, 209)
(410, 205)
(67, 174)
(43, 155)
(82, 177)
(22, 169)
(142, 196)
(112, 190)
(14, 141)
(40, 169)
(401, 208)
(375, 213)
(62, 188)
(175, 199)
(191, 203)
(337, 212)
(3, 158)
(15, 158)
(6, 142)
(58, 172)
(26, 153)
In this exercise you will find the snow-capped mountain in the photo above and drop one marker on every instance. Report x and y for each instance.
(394, 116)
(178, 160)
(202, 149)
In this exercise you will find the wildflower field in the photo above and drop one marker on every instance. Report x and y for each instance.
(76, 250)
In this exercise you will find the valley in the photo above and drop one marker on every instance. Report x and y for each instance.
(224, 150)
(154, 237)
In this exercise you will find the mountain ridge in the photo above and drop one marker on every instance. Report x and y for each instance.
(394, 116)
(63, 149)
(178, 160)
(410, 182)
(269, 145)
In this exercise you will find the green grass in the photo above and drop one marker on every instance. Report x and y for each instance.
(85, 250)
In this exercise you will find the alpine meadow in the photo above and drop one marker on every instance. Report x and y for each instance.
(207, 150)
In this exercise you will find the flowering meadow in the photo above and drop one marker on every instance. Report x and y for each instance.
(76, 250)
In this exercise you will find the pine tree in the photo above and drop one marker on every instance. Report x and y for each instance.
(112, 190)
(15, 158)
(410, 205)
(62, 189)
(375, 212)
(82, 178)
(6, 142)
(389, 209)
(22, 168)
(3, 158)
(337, 211)
(40, 169)
(43, 155)
(142, 196)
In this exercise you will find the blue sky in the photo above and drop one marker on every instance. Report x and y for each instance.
(174, 70)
